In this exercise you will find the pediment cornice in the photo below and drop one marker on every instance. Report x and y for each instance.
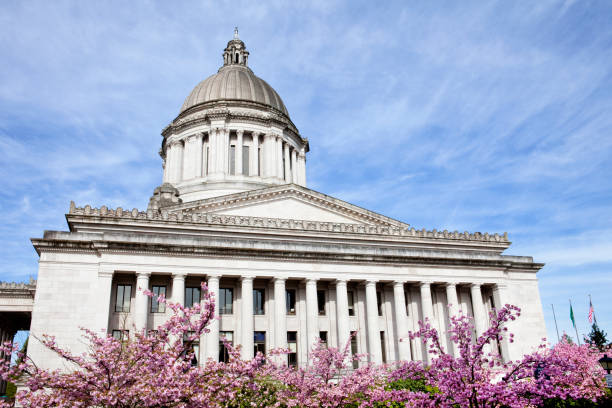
(320, 200)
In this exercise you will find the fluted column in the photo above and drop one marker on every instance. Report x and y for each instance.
(453, 308)
(198, 155)
(280, 312)
(294, 167)
(188, 158)
(279, 158)
(213, 137)
(312, 316)
(374, 349)
(247, 318)
(427, 308)
(141, 301)
(287, 163)
(269, 154)
(223, 151)
(401, 321)
(499, 296)
(239, 134)
(480, 316)
(212, 337)
(342, 315)
(179, 148)
(255, 156)
(302, 169)
(170, 162)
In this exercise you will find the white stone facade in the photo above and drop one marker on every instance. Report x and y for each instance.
(250, 225)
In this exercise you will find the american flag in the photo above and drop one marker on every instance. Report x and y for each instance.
(591, 312)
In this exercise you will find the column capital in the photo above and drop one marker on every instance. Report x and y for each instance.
(371, 282)
(280, 280)
(311, 280)
(424, 283)
(475, 285)
(179, 275)
(213, 276)
(143, 275)
(400, 283)
(247, 279)
(342, 281)
(450, 284)
(240, 132)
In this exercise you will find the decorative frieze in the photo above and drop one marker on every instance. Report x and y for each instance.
(280, 223)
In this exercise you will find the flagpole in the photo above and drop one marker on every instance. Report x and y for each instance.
(555, 317)
(591, 307)
(574, 322)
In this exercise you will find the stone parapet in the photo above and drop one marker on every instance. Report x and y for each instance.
(289, 224)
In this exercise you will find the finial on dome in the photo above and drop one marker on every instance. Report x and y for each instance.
(236, 33)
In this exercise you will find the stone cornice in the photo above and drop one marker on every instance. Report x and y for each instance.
(248, 249)
(18, 290)
(399, 230)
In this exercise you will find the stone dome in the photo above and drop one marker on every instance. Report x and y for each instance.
(234, 82)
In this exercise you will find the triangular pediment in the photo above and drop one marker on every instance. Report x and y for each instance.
(289, 202)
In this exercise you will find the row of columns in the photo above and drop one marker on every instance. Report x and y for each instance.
(211, 340)
(186, 158)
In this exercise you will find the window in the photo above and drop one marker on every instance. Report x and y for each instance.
(258, 301)
(226, 301)
(292, 346)
(354, 350)
(383, 348)
(192, 296)
(259, 161)
(207, 166)
(194, 348)
(284, 168)
(259, 344)
(232, 160)
(379, 303)
(223, 352)
(321, 302)
(351, 303)
(290, 300)
(407, 301)
(121, 335)
(157, 307)
(122, 303)
(236, 58)
(323, 337)
(245, 160)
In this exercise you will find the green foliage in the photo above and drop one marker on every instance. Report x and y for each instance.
(597, 337)
(265, 396)
(11, 389)
(604, 401)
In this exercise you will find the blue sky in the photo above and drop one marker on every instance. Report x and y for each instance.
(478, 116)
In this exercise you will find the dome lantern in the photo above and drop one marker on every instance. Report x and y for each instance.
(235, 53)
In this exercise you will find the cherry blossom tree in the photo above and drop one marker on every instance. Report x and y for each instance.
(154, 369)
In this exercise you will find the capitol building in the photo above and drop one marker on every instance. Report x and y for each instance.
(287, 265)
